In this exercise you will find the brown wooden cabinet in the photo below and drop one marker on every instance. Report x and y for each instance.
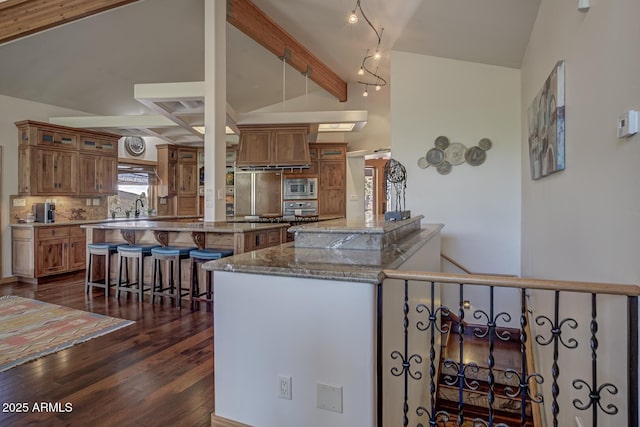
(58, 160)
(254, 240)
(187, 173)
(56, 171)
(77, 248)
(167, 170)
(44, 251)
(178, 176)
(98, 174)
(311, 171)
(273, 146)
(332, 173)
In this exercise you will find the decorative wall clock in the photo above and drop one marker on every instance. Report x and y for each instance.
(134, 145)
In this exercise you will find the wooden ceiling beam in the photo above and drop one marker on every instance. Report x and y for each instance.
(19, 18)
(248, 18)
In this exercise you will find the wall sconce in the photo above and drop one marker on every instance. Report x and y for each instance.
(466, 304)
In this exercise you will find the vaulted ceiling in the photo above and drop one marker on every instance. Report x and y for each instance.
(91, 65)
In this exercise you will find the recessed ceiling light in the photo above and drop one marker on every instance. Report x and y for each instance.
(201, 129)
(336, 127)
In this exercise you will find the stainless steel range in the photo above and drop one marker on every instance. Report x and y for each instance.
(306, 207)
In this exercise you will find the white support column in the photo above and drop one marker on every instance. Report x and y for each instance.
(215, 77)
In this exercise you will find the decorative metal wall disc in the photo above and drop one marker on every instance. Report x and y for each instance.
(435, 156)
(444, 168)
(445, 155)
(454, 153)
(485, 144)
(441, 142)
(475, 156)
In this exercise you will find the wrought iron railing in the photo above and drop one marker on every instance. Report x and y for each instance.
(408, 387)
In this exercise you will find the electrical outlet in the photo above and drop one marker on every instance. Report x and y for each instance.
(284, 390)
(19, 202)
(88, 202)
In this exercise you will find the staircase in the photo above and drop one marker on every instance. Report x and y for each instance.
(475, 392)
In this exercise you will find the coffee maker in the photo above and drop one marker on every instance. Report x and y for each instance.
(44, 212)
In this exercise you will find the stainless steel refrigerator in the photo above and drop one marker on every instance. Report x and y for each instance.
(258, 192)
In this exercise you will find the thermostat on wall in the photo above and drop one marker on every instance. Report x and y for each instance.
(628, 124)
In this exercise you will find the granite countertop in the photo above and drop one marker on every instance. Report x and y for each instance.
(375, 225)
(217, 227)
(243, 219)
(354, 265)
(95, 221)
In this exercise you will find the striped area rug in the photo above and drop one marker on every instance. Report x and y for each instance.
(31, 329)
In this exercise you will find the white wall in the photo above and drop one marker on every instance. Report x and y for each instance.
(13, 110)
(582, 223)
(377, 133)
(480, 206)
(316, 331)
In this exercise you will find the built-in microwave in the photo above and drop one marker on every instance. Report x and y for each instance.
(300, 188)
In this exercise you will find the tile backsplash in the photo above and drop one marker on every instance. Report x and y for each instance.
(67, 208)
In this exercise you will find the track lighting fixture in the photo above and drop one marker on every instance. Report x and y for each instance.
(379, 82)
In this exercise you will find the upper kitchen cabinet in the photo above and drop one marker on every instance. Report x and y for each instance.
(58, 160)
(167, 170)
(273, 146)
(178, 176)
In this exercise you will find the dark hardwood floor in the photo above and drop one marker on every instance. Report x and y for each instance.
(157, 372)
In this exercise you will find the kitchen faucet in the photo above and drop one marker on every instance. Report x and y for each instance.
(137, 213)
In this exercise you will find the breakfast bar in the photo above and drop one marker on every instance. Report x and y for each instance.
(311, 310)
(240, 237)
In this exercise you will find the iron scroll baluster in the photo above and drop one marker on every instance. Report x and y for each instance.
(433, 327)
(406, 359)
(557, 339)
(524, 390)
(595, 390)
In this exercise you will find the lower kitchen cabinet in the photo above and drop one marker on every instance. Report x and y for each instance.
(43, 251)
(255, 240)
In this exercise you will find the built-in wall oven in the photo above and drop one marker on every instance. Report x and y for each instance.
(292, 208)
(300, 188)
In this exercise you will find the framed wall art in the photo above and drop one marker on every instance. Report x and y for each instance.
(546, 126)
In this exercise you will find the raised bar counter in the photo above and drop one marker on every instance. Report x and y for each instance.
(241, 237)
(338, 261)
(312, 310)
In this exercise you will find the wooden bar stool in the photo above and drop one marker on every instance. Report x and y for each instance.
(127, 253)
(200, 256)
(100, 249)
(174, 255)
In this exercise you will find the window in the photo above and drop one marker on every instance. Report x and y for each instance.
(134, 182)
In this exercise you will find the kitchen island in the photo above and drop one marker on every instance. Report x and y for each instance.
(241, 237)
(312, 310)
(40, 250)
